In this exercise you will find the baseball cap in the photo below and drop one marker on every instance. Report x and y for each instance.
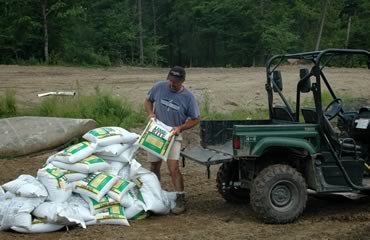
(176, 73)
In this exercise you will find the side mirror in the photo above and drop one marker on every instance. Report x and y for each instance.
(305, 82)
(278, 81)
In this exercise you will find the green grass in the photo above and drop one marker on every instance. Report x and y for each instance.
(108, 110)
(8, 104)
(105, 109)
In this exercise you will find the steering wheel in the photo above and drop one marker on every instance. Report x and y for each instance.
(334, 108)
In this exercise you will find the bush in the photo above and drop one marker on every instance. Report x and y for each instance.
(8, 106)
(84, 56)
(105, 109)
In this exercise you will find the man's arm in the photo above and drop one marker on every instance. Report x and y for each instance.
(148, 105)
(188, 124)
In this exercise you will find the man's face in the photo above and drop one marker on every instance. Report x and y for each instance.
(175, 85)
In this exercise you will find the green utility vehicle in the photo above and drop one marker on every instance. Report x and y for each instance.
(274, 163)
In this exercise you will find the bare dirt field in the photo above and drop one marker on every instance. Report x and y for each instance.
(208, 215)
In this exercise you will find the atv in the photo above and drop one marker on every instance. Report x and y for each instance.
(313, 143)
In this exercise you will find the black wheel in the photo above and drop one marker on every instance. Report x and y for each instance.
(278, 194)
(227, 174)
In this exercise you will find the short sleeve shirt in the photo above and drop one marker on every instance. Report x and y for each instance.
(173, 108)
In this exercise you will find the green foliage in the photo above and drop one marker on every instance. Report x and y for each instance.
(8, 106)
(189, 33)
(84, 56)
(105, 109)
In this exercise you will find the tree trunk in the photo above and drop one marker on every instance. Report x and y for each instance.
(141, 44)
(155, 60)
(44, 5)
(323, 15)
(348, 31)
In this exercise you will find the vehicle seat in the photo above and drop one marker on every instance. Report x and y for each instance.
(345, 145)
(309, 115)
(282, 113)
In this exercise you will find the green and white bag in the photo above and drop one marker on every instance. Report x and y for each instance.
(95, 186)
(59, 189)
(87, 165)
(105, 136)
(120, 188)
(74, 153)
(112, 215)
(102, 205)
(156, 139)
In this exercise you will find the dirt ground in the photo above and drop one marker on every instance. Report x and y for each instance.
(208, 215)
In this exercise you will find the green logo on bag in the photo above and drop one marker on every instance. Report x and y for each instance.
(55, 172)
(91, 160)
(76, 148)
(99, 181)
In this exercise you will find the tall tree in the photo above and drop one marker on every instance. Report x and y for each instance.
(322, 23)
(141, 35)
(46, 9)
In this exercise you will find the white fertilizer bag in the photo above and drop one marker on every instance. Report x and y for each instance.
(69, 176)
(112, 215)
(87, 165)
(102, 205)
(124, 172)
(73, 176)
(59, 189)
(38, 226)
(95, 186)
(26, 186)
(120, 188)
(125, 156)
(63, 213)
(16, 211)
(135, 168)
(114, 167)
(156, 138)
(128, 199)
(105, 136)
(152, 194)
(112, 150)
(74, 153)
(136, 211)
(77, 199)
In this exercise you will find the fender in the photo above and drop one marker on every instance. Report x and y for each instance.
(267, 142)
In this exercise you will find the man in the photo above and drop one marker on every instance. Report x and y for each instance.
(174, 105)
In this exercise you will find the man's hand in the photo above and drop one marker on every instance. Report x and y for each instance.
(176, 131)
(151, 115)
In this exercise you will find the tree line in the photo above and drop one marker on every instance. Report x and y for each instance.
(217, 33)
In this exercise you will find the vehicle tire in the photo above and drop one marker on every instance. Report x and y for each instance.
(226, 175)
(278, 194)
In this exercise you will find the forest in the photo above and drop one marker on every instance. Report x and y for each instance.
(191, 33)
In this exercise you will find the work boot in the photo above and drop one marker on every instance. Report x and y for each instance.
(180, 204)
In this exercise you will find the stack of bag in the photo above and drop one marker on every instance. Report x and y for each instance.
(97, 181)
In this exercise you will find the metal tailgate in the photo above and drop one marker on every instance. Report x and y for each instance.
(212, 155)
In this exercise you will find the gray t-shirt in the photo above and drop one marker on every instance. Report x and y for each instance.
(172, 108)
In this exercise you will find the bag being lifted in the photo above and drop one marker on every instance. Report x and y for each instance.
(156, 139)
